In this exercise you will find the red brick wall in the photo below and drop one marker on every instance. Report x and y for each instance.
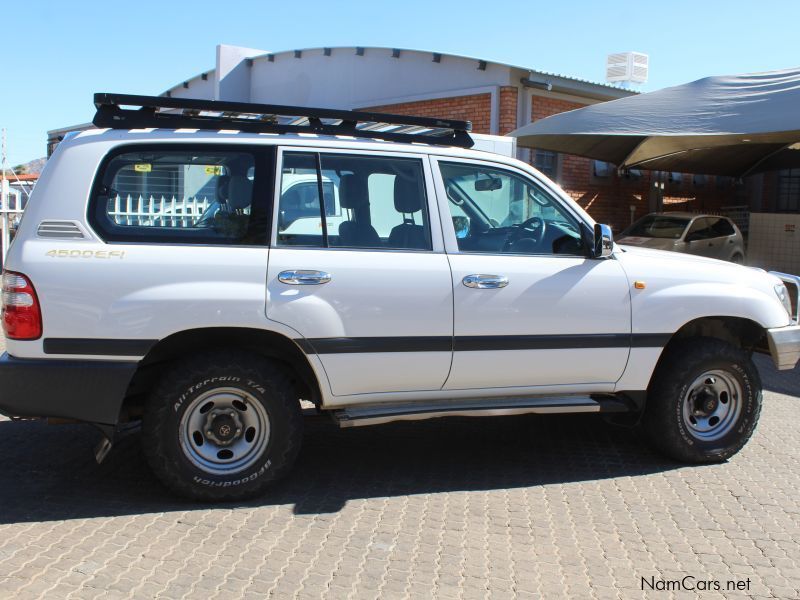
(476, 108)
(508, 109)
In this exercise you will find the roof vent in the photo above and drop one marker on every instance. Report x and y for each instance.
(626, 68)
(60, 230)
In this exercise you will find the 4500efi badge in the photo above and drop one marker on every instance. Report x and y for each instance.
(206, 281)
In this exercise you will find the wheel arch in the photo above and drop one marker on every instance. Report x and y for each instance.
(268, 344)
(740, 332)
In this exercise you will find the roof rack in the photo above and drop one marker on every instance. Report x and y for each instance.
(184, 113)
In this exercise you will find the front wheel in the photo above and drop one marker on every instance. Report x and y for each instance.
(222, 426)
(703, 402)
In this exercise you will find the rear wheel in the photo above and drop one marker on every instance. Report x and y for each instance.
(222, 426)
(704, 401)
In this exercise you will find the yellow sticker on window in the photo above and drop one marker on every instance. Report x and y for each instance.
(214, 170)
(142, 167)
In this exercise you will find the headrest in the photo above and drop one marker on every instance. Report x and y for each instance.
(240, 192)
(407, 195)
(223, 182)
(353, 191)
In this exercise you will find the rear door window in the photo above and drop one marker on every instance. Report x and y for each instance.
(200, 195)
(373, 202)
(700, 230)
(722, 228)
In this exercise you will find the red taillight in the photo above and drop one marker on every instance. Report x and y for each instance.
(22, 316)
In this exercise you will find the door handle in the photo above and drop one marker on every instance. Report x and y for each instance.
(303, 277)
(485, 281)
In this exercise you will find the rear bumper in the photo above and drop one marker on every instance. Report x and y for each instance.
(72, 389)
(784, 345)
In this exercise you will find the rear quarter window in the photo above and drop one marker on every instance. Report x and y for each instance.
(188, 195)
(723, 228)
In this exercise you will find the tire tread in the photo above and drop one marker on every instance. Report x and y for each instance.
(678, 365)
(183, 374)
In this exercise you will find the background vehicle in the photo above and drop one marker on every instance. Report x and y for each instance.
(704, 235)
(451, 282)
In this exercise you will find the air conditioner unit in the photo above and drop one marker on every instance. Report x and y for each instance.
(627, 67)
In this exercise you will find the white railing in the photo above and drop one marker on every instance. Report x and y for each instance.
(10, 216)
(738, 214)
(157, 211)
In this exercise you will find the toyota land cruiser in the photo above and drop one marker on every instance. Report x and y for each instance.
(206, 266)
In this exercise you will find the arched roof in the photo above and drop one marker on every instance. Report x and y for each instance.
(407, 64)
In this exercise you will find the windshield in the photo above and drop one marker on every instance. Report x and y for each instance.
(658, 226)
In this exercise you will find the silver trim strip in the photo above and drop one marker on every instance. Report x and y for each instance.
(416, 411)
(60, 229)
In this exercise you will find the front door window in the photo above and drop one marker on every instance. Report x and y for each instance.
(497, 211)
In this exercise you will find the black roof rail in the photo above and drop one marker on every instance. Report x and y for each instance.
(186, 113)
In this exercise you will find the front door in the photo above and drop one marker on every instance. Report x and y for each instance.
(529, 308)
(368, 289)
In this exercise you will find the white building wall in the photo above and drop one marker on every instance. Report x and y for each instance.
(346, 80)
(233, 74)
(774, 242)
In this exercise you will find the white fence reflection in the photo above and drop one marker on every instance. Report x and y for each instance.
(157, 211)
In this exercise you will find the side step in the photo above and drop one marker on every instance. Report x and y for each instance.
(377, 414)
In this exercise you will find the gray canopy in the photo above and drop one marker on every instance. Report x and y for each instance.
(731, 125)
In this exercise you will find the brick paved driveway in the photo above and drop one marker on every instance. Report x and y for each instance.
(526, 507)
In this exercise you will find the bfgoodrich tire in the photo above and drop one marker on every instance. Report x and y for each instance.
(222, 426)
(703, 402)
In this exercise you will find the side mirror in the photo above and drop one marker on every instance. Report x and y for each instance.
(603, 243)
(693, 237)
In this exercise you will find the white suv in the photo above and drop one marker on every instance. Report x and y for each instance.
(161, 274)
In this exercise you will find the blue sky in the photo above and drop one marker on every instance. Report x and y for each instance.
(56, 54)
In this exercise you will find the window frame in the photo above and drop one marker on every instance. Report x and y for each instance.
(547, 186)
(602, 179)
(729, 223)
(706, 226)
(675, 178)
(556, 159)
(437, 245)
(260, 215)
(787, 191)
(699, 180)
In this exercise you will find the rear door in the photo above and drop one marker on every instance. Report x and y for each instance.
(724, 238)
(368, 291)
(701, 238)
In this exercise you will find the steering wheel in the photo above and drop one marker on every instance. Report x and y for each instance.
(535, 228)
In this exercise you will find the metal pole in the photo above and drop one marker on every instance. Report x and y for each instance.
(3, 203)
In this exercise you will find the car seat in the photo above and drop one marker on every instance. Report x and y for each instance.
(357, 231)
